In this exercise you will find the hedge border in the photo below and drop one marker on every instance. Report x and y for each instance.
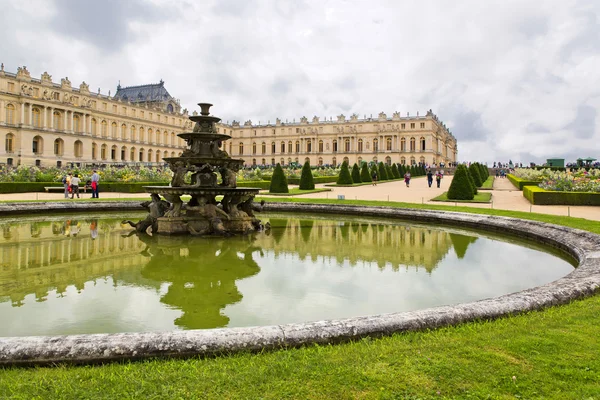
(521, 183)
(542, 197)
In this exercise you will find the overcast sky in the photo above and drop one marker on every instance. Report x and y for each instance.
(513, 79)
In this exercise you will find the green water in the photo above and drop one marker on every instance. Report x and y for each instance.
(89, 274)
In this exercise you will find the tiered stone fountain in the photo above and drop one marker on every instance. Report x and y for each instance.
(203, 214)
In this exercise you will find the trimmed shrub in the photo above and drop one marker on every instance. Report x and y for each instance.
(395, 172)
(474, 171)
(461, 187)
(279, 181)
(365, 174)
(484, 172)
(402, 170)
(345, 178)
(356, 174)
(388, 171)
(471, 180)
(381, 172)
(521, 183)
(539, 196)
(264, 185)
(306, 179)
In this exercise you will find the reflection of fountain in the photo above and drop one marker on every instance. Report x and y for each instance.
(204, 159)
(202, 273)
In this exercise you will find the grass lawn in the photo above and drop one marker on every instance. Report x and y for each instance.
(296, 192)
(362, 183)
(551, 354)
(488, 184)
(480, 197)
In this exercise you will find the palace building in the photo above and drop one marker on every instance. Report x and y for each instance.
(47, 124)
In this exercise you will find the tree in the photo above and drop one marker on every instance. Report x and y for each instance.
(461, 187)
(344, 178)
(471, 180)
(474, 171)
(279, 182)
(306, 179)
(395, 171)
(365, 175)
(382, 172)
(356, 174)
(484, 172)
(389, 172)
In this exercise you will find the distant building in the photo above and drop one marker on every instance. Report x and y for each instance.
(53, 124)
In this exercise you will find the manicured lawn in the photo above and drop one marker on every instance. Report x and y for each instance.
(480, 197)
(551, 354)
(362, 183)
(296, 192)
(489, 183)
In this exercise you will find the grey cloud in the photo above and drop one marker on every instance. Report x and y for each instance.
(234, 8)
(467, 125)
(584, 124)
(534, 127)
(535, 26)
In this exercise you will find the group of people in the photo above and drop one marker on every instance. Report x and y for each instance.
(438, 177)
(72, 182)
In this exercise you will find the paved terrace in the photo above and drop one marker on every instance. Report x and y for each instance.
(504, 197)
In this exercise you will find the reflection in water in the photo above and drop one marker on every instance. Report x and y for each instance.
(73, 269)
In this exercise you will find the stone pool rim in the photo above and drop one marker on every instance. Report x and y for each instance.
(583, 281)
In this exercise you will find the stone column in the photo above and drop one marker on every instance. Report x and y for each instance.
(65, 121)
(51, 111)
(90, 124)
(44, 118)
(30, 114)
(23, 113)
(72, 118)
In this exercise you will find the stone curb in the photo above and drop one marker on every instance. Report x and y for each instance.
(583, 281)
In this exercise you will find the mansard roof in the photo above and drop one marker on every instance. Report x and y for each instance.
(143, 93)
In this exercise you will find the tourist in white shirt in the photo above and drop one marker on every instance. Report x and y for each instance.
(75, 186)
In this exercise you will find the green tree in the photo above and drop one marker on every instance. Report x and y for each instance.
(356, 174)
(382, 173)
(365, 175)
(345, 178)
(474, 171)
(395, 171)
(306, 179)
(279, 182)
(461, 187)
(388, 171)
(471, 180)
(484, 172)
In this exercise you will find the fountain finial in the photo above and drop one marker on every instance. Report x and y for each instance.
(204, 107)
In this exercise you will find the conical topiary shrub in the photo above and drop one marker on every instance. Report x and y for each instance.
(461, 187)
(388, 171)
(356, 174)
(395, 172)
(278, 181)
(365, 175)
(484, 172)
(474, 171)
(471, 180)
(306, 179)
(345, 178)
(382, 173)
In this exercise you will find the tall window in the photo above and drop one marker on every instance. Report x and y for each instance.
(94, 151)
(150, 137)
(241, 148)
(132, 154)
(412, 144)
(141, 155)
(58, 147)
(57, 120)
(264, 148)
(360, 145)
(113, 153)
(113, 130)
(36, 118)
(76, 124)
(172, 138)
(273, 148)
(347, 145)
(157, 156)
(422, 141)
(308, 146)
(141, 136)
(78, 148)
(103, 151)
(289, 147)
(123, 153)
(253, 148)
(166, 140)
(94, 127)
(335, 149)
(132, 133)
(123, 131)
(334, 161)
(282, 147)
(36, 145)
(388, 143)
(9, 143)
(403, 144)
(10, 114)
(104, 129)
(375, 145)
(320, 147)
(297, 146)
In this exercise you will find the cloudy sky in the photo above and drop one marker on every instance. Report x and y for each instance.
(513, 79)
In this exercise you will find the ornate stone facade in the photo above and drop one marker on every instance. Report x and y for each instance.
(54, 124)
(406, 140)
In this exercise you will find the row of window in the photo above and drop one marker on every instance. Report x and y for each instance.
(321, 145)
(334, 161)
(342, 128)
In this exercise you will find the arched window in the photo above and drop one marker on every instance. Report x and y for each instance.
(335, 149)
(132, 154)
(123, 131)
(113, 153)
(37, 145)
(150, 155)
(142, 138)
(289, 159)
(422, 160)
(412, 144)
(150, 136)
(165, 154)
(104, 129)
(273, 147)
(76, 124)
(334, 162)
(94, 127)
(297, 146)
(253, 148)
(272, 161)
(141, 155)
(360, 145)
(282, 161)
(346, 145)
(360, 161)
(282, 147)
(157, 155)
(290, 146)
(78, 148)
(422, 142)
(403, 144)
(308, 146)
(254, 162)
(388, 144)
(9, 143)
(375, 144)
(58, 147)
(36, 117)
(10, 114)
(172, 154)
(132, 133)
(320, 161)
(412, 161)
(346, 160)
(264, 148)
(123, 153)
(402, 160)
(320, 146)
(94, 150)
(166, 139)
(172, 138)
(241, 148)
(113, 130)
(388, 160)
(264, 162)
(103, 150)
(57, 121)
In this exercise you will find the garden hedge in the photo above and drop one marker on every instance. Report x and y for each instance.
(345, 178)
(279, 183)
(521, 183)
(543, 197)
(356, 174)
(255, 184)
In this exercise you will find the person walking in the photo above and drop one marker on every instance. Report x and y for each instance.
(75, 186)
(438, 178)
(374, 178)
(95, 181)
(407, 179)
(66, 182)
(429, 177)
